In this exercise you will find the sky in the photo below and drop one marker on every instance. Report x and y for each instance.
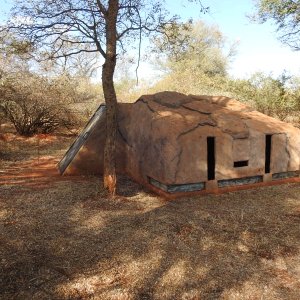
(258, 48)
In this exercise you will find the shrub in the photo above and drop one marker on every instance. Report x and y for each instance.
(35, 104)
(275, 97)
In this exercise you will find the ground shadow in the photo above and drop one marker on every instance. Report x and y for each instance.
(70, 242)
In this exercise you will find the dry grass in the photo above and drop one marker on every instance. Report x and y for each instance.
(61, 238)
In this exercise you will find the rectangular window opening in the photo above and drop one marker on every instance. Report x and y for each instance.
(241, 163)
(268, 153)
(211, 161)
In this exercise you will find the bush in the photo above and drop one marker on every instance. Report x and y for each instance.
(274, 97)
(35, 104)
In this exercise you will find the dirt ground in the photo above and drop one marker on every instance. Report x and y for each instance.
(61, 238)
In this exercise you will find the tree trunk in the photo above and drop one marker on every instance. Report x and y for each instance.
(109, 172)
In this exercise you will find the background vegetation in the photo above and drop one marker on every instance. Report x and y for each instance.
(193, 58)
(41, 97)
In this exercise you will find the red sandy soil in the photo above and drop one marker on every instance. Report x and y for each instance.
(37, 171)
(62, 238)
(44, 138)
(32, 172)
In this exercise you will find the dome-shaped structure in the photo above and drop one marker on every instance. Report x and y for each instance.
(176, 143)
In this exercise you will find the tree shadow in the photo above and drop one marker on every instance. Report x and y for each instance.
(70, 242)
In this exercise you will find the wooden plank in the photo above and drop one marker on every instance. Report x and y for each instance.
(80, 140)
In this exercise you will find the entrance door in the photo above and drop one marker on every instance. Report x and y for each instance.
(211, 161)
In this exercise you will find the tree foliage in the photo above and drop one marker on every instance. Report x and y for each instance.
(193, 56)
(193, 46)
(190, 65)
(286, 14)
(39, 104)
(276, 97)
(35, 110)
(69, 27)
(35, 103)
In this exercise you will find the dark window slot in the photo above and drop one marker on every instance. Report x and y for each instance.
(268, 153)
(211, 161)
(242, 163)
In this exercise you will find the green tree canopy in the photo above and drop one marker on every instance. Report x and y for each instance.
(286, 14)
(194, 46)
(193, 54)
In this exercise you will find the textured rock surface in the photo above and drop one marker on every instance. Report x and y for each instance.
(280, 155)
(241, 149)
(169, 132)
(164, 136)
